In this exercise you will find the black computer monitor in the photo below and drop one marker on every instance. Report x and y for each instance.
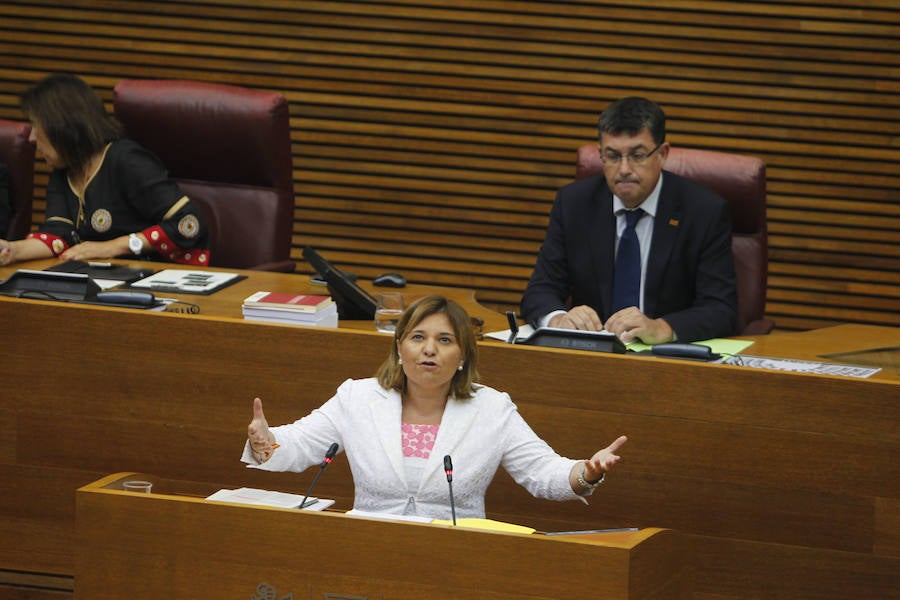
(353, 302)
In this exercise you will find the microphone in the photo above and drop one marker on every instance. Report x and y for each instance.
(513, 327)
(448, 469)
(329, 456)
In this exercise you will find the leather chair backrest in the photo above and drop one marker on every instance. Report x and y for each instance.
(17, 153)
(230, 150)
(741, 180)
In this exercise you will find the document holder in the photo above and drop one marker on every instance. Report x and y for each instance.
(575, 339)
(112, 271)
(50, 285)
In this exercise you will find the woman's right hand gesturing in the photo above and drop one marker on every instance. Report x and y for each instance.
(262, 442)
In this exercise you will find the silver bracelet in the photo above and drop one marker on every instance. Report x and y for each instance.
(587, 486)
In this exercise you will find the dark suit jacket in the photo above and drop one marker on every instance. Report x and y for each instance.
(690, 280)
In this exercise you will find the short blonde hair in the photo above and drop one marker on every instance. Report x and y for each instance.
(390, 374)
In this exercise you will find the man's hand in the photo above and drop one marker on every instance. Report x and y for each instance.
(580, 317)
(630, 323)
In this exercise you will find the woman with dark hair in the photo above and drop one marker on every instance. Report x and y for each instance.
(425, 404)
(106, 196)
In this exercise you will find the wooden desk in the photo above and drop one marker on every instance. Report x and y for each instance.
(227, 301)
(787, 484)
(866, 345)
(168, 545)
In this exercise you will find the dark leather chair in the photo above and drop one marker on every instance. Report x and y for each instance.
(229, 148)
(17, 153)
(741, 180)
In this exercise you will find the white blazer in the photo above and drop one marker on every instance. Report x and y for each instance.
(480, 434)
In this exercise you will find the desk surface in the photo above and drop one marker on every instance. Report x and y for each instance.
(854, 343)
(227, 301)
(865, 345)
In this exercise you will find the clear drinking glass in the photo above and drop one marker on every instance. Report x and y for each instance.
(134, 485)
(388, 308)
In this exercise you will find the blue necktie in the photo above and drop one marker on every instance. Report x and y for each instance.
(627, 277)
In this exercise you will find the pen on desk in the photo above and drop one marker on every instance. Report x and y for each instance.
(100, 265)
(616, 530)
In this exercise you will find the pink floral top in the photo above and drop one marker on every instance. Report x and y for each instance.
(418, 440)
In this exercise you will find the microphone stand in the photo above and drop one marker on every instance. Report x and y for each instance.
(513, 327)
(448, 469)
(329, 456)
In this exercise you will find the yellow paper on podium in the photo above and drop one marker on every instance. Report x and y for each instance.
(487, 524)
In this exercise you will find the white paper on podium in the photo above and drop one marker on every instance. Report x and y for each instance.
(523, 334)
(269, 498)
(388, 516)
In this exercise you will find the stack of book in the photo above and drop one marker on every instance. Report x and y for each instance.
(298, 309)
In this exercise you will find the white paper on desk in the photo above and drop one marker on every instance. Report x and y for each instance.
(268, 498)
(524, 333)
(177, 280)
(802, 366)
(106, 284)
(388, 516)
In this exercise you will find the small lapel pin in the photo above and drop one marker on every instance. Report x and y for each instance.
(673, 222)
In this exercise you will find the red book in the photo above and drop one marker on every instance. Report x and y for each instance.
(300, 302)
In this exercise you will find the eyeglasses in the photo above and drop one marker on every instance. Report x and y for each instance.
(638, 158)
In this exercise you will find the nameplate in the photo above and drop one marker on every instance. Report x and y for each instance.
(575, 339)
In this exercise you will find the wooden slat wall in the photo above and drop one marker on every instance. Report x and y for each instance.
(430, 136)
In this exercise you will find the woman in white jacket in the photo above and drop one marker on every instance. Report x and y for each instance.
(423, 405)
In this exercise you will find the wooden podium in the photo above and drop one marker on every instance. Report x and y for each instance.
(169, 545)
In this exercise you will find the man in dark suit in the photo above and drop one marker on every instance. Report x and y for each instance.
(640, 252)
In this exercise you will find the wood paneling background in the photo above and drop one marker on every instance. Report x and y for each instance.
(430, 136)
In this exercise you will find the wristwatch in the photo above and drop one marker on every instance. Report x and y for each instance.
(135, 244)
(586, 485)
